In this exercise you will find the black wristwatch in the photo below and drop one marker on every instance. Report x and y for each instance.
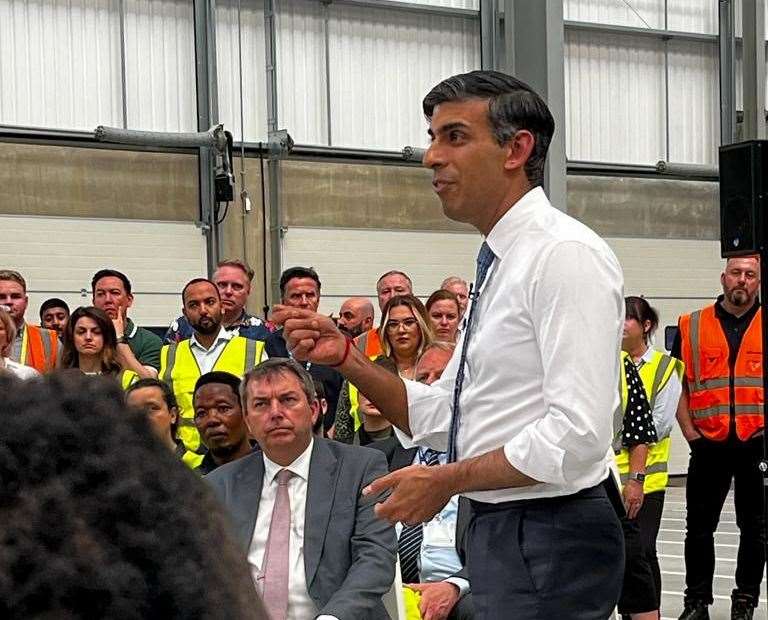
(122, 339)
(638, 476)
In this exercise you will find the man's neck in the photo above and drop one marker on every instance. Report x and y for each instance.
(287, 456)
(508, 202)
(207, 340)
(233, 317)
(231, 453)
(737, 311)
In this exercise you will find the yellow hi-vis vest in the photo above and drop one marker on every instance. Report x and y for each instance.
(127, 378)
(655, 376)
(179, 369)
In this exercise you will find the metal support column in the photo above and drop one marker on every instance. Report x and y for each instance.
(489, 34)
(753, 25)
(533, 39)
(727, 49)
(273, 163)
(207, 115)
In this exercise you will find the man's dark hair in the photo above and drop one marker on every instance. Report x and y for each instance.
(111, 273)
(53, 302)
(198, 281)
(298, 272)
(100, 519)
(512, 106)
(168, 396)
(223, 378)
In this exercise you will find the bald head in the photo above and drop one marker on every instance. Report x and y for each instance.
(356, 316)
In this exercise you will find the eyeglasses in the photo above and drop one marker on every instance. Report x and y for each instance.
(409, 324)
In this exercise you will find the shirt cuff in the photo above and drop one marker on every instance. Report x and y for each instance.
(461, 584)
(326, 617)
(543, 465)
(429, 415)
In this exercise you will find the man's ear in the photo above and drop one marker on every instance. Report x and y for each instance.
(519, 150)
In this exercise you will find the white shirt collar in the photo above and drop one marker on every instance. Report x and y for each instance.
(513, 223)
(299, 467)
(222, 335)
(647, 357)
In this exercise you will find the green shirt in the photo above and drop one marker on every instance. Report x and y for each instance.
(144, 344)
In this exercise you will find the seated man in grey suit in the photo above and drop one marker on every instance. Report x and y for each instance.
(315, 547)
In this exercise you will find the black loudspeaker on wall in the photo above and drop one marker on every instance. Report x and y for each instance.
(743, 199)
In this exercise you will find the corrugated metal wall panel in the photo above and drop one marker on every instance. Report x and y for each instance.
(160, 65)
(456, 4)
(383, 63)
(52, 254)
(693, 15)
(614, 98)
(254, 72)
(428, 257)
(694, 105)
(301, 70)
(60, 63)
(637, 13)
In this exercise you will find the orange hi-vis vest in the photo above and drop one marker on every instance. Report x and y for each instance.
(705, 353)
(370, 344)
(39, 348)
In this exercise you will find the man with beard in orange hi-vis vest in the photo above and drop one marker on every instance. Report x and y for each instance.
(34, 346)
(721, 417)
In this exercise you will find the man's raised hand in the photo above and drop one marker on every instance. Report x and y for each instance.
(310, 336)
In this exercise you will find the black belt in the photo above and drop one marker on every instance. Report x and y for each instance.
(520, 504)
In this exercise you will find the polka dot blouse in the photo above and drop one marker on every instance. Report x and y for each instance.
(638, 422)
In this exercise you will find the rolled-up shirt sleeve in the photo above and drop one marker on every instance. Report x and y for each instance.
(429, 407)
(576, 322)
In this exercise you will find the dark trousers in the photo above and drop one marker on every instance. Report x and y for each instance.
(545, 559)
(649, 520)
(638, 590)
(712, 467)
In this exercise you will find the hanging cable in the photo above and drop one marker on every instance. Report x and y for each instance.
(635, 11)
(245, 198)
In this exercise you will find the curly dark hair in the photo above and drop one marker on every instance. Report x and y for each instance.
(99, 518)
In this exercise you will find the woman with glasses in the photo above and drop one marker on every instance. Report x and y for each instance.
(405, 332)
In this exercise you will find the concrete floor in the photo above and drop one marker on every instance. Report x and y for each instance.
(670, 551)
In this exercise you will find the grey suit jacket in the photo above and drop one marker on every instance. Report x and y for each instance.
(349, 553)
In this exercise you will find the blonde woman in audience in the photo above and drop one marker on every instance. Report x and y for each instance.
(7, 336)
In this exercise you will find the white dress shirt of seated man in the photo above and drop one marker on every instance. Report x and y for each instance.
(438, 597)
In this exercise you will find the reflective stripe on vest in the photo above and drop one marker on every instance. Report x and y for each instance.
(179, 369)
(369, 344)
(39, 348)
(705, 351)
(127, 378)
(655, 375)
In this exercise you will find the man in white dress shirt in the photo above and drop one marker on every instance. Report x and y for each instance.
(524, 408)
(315, 546)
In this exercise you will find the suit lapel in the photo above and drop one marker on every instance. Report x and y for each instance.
(402, 457)
(246, 496)
(321, 489)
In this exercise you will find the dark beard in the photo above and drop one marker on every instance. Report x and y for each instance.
(206, 331)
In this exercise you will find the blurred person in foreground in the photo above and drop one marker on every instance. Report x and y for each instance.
(100, 520)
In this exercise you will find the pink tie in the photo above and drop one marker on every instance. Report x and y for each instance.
(275, 565)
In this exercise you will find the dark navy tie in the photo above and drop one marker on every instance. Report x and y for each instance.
(484, 261)
(411, 536)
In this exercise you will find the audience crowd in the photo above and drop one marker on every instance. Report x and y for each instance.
(280, 443)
